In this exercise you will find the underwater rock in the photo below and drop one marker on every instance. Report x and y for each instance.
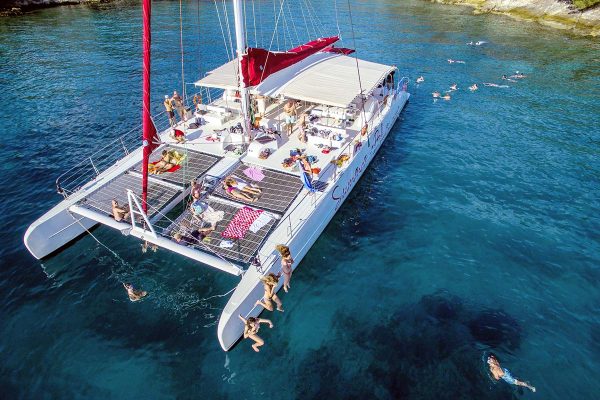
(496, 328)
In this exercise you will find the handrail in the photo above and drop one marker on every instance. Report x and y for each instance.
(108, 155)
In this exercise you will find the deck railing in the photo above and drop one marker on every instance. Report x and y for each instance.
(97, 162)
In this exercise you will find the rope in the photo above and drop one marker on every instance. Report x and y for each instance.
(222, 30)
(362, 98)
(181, 48)
(226, 16)
(337, 23)
(272, 37)
(293, 24)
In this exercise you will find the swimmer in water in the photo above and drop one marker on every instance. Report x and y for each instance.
(451, 61)
(420, 79)
(134, 295)
(494, 85)
(473, 87)
(446, 97)
(502, 373)
(436, 94)
(518, 75)
(453, 87)
(470, 44)
(479, 43)
(507, 79)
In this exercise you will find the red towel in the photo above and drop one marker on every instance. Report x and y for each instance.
(173, 168)
(240, 223)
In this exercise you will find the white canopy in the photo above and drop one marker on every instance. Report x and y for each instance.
(323, 78)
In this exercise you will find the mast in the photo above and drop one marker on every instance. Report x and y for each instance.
(240, 41)
(147, 126)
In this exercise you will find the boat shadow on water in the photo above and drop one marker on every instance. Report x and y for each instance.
(431, 349)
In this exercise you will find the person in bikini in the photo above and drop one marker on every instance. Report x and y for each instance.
(166, 163)
(502, 373)
(168, 103)
(119, 212)
(251, 327)
(134, 295)
(270, 282)
(286, 265)
(241, 190)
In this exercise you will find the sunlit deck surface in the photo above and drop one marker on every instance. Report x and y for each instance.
(195, 164)
(159, 193)
(279, 189)
(243, 249)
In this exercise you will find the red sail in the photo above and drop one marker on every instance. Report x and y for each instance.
(257, 64)
(149, 132)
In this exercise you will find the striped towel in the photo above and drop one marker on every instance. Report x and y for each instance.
(241, 222)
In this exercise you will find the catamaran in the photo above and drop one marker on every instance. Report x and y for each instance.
(293, 130)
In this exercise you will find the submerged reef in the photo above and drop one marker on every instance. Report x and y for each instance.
(578, 16)
(431, 349)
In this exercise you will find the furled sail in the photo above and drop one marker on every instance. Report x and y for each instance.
(258, 64)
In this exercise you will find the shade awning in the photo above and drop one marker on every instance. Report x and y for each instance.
(322, 78)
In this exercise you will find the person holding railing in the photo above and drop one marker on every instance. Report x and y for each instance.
(270, 282)
(168, 103)
(119, 212)
(178, 104)
(286, 265)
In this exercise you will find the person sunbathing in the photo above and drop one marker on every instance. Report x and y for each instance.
(119, 212)
(195, 237)
(237, 193)
(166, 162)
(244, 186)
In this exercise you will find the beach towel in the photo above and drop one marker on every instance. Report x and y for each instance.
(254, 173)
(241, 222)
(262, 220)
(152, 169)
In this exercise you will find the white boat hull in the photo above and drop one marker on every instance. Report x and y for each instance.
(250, 289)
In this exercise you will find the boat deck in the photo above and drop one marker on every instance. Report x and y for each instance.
(240, 250)
(194, 165)
(159, 193)
(278, 189)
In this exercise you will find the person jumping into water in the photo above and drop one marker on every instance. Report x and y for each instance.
(502, 373)
(251, 327)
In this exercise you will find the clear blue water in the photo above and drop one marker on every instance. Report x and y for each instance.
(476, 228)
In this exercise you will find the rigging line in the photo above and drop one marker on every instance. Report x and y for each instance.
(362, 97)
(245, 24)
(337, 22)
(123, 262)
(284, 31)
(272, 37)
(287, 29)
(305, 24)
(181, 48)
(293, 24)
(260, 30)
(311, 19)
(222, 31)
(199, 38)
(226, 17)
(275, 29)
(319, 24)
(254, 21)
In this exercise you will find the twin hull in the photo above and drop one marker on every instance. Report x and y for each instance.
(250, 289)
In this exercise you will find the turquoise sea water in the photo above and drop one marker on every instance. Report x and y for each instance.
(475, 229)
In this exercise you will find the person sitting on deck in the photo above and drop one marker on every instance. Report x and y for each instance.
(196, 190)
(195, 237)
(270, 282)
(134, 295)
(241, 190)
(119, 213)
(251, 327)
(178, 135)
